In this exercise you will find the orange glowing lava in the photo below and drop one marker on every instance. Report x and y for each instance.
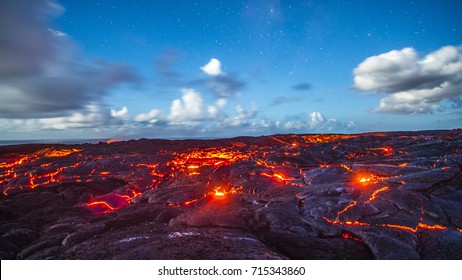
(386, 151)
(114, 140)
(375, 193)
(219, 192)
(368, 179)
(208, 157)
(346, 235)
(364, 179)
(277, 176)
(100, 207)
(51, 152)
(419, 227)
(344, 210)
(43, 168)
(108, 203)
(295, 144)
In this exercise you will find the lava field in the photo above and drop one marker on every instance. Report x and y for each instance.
(394, 195)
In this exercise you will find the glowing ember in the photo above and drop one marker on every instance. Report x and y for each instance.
(367, 179)
(386, 151)
(295, 144)
(219, 192)
(364, 180)
(346, 235)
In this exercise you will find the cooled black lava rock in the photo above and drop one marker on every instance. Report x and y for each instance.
(367, 196)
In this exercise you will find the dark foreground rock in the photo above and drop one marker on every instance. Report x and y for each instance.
(368, 196)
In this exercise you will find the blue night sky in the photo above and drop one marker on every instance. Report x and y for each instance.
(168, 69)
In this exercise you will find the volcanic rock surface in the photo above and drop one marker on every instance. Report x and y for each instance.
(367, 196)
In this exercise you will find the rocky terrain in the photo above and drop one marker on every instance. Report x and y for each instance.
(367, 196)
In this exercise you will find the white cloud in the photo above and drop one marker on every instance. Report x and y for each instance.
(121, 114)
(91, 117)
(217, 109)
(246, 114)
(213, 111)
(212, 68)
(219, 83)
(152, 116)
(242, 117)
(190, 111)
(316, 119)
(386, 71)
(412, 84)
(189, 108)
(313, 122)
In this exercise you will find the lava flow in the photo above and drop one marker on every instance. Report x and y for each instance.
(279, 192)
(374, 196)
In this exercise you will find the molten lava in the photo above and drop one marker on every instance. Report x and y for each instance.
(419, 227)
(375, 193)
(132, 175)
(365, 179)
(219, 192)
(108, 203)
(349, 236)
(276, 176)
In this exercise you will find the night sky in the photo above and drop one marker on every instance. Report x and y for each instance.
(180, 69)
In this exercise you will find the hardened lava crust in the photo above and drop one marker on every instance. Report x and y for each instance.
(394, 195)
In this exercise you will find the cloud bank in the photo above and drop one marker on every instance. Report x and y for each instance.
(191, 115)
(42, 74)
(411, 84)
(189, 108)
(314, 122)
